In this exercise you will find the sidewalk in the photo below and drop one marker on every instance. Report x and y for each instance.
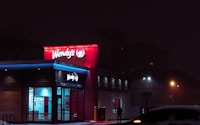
(74, 123)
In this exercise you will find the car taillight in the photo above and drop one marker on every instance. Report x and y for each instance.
(137, 121)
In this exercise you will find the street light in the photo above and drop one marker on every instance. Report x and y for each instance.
(146, 94)
(148, 78)
(173, 84)
(174, 88)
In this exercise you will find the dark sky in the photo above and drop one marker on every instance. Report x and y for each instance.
(173, 26)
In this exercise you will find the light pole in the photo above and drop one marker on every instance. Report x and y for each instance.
(173, 84)
(146, 94)
(173, 87)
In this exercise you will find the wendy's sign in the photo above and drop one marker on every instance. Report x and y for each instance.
(83, 55)
(68, 53)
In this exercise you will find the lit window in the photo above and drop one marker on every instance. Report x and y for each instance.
(105, 82)
(116, 102)
(119, 84)
(98, 80)
(113, 83)
(39, 104)
(126, 84)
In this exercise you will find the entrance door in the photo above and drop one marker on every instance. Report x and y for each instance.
(77, 105)
(63, 107)
(59, 108)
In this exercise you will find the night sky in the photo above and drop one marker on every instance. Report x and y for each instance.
(173, 26)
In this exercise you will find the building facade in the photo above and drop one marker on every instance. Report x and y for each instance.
(113, 92)
(66, 86)
(60, 88)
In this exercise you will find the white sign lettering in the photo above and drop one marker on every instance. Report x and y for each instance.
(69, 53)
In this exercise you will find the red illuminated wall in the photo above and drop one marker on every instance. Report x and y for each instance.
(82, 55)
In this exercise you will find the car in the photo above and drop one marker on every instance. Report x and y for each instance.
(169, 115)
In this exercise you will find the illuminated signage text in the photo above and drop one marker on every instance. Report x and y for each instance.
(69, 53)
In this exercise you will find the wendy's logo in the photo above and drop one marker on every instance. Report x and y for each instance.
(80, 53)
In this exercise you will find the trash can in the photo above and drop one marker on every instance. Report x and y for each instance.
(102, 114)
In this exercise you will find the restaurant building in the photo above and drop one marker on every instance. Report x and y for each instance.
(60, 88)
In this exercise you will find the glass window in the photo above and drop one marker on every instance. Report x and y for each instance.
(58, 90)
(63, 102)
(99, 81)
(116, 102)
(126, 84)
(119, 84)
(113, 83)
(105, 82)
(39, 104)
(66, 104)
